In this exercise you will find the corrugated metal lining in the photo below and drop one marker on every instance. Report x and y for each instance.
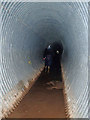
(27, 28)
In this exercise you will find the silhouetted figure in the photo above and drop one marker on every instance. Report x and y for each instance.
(57, 50)
(57, 61)
(48, 58)
(52, 56)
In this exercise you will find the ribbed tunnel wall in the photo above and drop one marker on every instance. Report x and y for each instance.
(27, 28)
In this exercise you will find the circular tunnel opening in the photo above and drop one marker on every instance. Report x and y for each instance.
(27, 29)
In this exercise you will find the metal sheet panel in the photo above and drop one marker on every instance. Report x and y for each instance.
(27, 28)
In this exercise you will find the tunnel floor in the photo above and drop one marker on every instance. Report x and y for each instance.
(44, 100)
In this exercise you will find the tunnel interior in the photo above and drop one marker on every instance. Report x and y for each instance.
(27, 29)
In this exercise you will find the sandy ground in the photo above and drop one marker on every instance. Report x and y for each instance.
(41, 102)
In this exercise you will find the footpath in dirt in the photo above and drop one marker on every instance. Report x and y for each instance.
(44, 100)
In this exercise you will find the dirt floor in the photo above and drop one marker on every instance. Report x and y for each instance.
(43, 100)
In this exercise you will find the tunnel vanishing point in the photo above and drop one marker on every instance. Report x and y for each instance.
(26, 28)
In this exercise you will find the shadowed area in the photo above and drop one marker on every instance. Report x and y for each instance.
(44, 100)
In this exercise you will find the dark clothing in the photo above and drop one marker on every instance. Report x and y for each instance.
(48, 60)
(47, 52)
(48, 57)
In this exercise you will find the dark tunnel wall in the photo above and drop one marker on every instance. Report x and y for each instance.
(27, 28)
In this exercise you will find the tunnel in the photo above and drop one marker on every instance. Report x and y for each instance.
(27, 28)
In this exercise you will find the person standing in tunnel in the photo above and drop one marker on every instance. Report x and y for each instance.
(58, 50)
(48, 58)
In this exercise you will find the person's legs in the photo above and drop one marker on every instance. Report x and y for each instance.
(48, 69)
(45, 68)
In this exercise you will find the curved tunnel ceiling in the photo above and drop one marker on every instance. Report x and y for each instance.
(27, 28)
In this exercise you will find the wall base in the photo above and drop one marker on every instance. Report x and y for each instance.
(12, 99)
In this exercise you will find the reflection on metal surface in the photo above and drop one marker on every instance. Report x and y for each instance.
(27, 28)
